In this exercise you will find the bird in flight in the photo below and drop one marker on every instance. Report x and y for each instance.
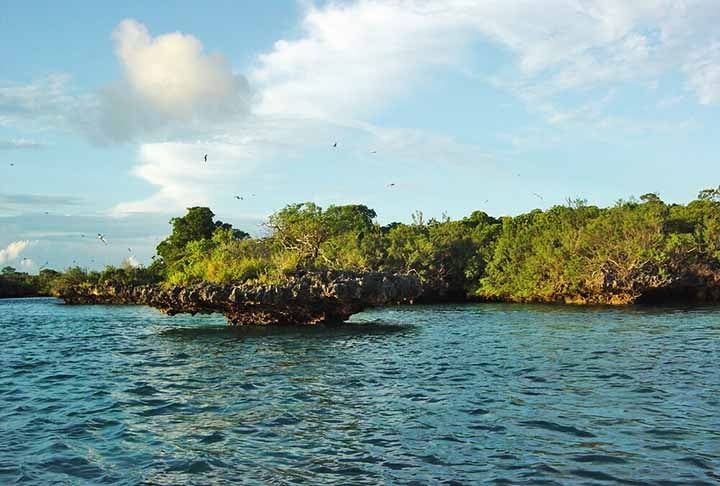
(335, 145)
(374, 152)
(12, 165)
(239, 198)
(130, 250)
(537, 195)
(101, 237)
(205, 158)
(392, 184)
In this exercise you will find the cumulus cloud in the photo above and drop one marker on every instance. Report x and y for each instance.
(168, 79)
(172, 73)
(13, 250)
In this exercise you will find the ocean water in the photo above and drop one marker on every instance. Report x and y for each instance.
(470, 394)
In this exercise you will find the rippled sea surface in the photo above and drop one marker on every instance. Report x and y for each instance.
(472, 394)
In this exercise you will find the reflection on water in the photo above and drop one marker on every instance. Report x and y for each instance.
(376, 327)
(468, 394)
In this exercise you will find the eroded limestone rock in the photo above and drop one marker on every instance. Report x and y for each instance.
(306, 298)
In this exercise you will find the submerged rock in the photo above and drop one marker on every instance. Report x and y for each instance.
(305, 298)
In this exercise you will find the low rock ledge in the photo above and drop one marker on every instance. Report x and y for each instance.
(304, 299)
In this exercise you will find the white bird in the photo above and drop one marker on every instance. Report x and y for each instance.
(102, 238)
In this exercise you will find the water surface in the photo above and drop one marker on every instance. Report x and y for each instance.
(472, 394)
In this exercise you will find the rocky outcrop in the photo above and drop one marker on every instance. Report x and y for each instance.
(305, 298)
(691, 284)
(696, 284)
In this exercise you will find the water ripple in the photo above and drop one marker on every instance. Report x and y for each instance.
(474, 394)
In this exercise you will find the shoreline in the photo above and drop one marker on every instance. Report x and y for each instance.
(332, 297)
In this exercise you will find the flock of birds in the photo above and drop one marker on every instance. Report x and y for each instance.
(101, 237)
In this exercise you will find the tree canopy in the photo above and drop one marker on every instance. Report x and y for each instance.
(569, 252)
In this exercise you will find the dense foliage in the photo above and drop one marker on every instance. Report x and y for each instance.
(573, 252)
(21, 284)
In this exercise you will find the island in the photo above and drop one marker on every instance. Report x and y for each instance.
(318, 265)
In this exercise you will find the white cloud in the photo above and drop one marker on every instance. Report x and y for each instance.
(173, 74)
(169, 84)
(184, 178)
(352, 59)
(43, 103)
(703, 73)
(20, 143)
(13, 250)
(27, 263)
(169, 81)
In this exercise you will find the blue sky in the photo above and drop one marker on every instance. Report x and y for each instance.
(107, 110)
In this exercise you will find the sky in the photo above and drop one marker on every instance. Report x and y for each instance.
(107, 111)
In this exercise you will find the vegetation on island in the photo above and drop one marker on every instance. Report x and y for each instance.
(574, 252)
(22, 284)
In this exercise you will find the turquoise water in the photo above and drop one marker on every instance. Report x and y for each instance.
(469, 394)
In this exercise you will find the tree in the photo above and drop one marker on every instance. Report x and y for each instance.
(196, 225)
(651, 197)
(356, 218)
(300, 228)
(710, 194)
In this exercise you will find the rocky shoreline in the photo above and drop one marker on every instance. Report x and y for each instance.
(304, 299)
(332, 297)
